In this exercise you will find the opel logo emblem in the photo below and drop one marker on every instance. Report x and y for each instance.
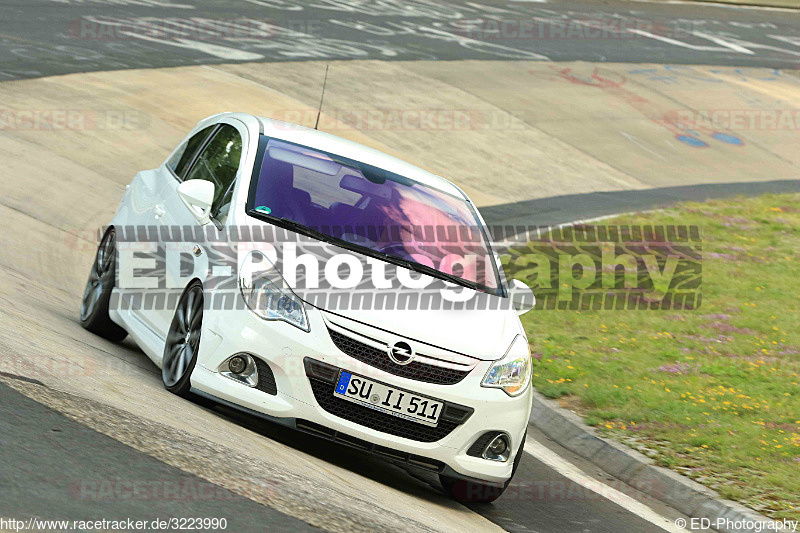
(401, 353)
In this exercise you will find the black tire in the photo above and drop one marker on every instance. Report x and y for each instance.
(183, 341)
(97, 294)
(475, 492)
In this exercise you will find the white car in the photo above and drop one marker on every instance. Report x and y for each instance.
(445, 389)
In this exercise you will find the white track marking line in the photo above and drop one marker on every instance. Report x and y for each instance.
(641, 145)
(668, 40)
(576, 475)
(223, 52)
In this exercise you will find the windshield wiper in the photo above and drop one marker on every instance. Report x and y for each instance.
(425, 269)
(289, 224)
(324, 237)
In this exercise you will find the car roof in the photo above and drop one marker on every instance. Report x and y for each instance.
(286, 131)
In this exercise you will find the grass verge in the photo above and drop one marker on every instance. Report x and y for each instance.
(711, 393)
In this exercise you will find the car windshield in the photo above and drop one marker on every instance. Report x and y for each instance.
(374, 210)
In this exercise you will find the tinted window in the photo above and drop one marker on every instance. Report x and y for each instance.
(218, 164)
(374, 208)
(185, 153)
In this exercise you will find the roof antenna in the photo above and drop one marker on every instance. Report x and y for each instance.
(319, 111)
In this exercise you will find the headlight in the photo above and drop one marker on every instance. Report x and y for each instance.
(512, 373)
(266, 293)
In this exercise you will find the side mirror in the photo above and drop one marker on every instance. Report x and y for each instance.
(522, 298)
(198, 195)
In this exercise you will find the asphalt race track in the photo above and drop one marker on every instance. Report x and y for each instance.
(82, 421)
(93, 458)
(47, 37)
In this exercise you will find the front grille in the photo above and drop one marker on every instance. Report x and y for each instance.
(266, 379)
(380, 359)
(323, 380)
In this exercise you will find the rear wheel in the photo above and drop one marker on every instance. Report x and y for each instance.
(183, 341)
(97, 293)
(475, 492)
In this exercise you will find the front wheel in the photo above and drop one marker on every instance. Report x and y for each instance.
(183, 341)
(475, 492)
(97, 293)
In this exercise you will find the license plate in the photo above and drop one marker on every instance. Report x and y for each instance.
(397, 402)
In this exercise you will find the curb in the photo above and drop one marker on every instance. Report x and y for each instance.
(637, 470)
(746, 4)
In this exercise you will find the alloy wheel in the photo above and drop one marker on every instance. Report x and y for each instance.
(183, 339)
(100, 275)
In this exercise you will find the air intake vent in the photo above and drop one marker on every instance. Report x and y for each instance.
(476, 450)
(266, 379)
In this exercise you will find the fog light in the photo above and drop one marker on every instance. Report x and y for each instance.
(498, 446)
(240, 367)
(498, 449)
(237, 364)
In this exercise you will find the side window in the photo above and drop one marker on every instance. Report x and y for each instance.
(218, 164)
(183, 157)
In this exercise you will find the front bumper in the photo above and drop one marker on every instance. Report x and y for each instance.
(302, 400)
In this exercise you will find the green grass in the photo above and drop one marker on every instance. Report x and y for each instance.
(711, 393)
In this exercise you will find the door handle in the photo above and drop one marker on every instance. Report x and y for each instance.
(159, 211)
